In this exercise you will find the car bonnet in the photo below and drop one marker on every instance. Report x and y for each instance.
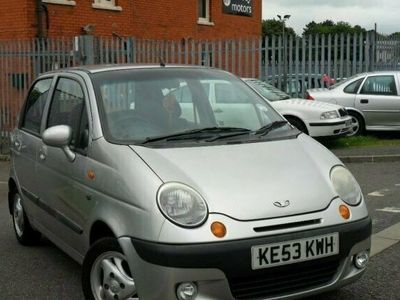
(306, 105)
(244, 181)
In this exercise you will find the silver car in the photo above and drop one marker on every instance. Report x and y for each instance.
(213, 201)
(372, 99)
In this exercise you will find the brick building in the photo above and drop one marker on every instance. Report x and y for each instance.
(219, 33)
(149, 19)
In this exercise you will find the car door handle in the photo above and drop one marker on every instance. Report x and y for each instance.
(364, 101)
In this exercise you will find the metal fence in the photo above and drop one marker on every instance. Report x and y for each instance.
(291, 63)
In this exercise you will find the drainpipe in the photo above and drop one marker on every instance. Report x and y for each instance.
(39, 18)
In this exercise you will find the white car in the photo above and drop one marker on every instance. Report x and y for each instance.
(317, 119)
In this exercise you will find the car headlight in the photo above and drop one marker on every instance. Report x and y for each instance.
(333, 114)
(346, 185)
(182, 205)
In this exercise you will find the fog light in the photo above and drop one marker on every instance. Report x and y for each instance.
(361, 259)
(186, 291)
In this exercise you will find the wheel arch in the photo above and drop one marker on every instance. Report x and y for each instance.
(356, 111)
(12, 190)
(98, 230)
(291, 116)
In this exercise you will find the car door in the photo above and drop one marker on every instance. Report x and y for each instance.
(63, 192)
(25, 141)
(379, 100)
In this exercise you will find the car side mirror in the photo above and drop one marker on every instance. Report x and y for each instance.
(59, 136)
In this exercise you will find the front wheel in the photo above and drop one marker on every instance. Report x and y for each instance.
(106, 273)
(24, 232)
(357, 124)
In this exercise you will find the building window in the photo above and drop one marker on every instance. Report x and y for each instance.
(106, 4)
(204, 12)
(62, 2)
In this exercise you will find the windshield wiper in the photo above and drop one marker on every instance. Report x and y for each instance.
(190, 134)
(268, 128)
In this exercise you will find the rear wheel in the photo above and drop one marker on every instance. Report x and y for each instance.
(298, 124)
(357, 124)
(106, 274)
(24, 232)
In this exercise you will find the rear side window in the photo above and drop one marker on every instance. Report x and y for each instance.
(67, 108)
(353, 87)
(35, 104)
(380, 85)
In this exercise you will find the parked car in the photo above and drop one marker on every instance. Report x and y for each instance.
(372, 99)
(313, 118)
(160, 203)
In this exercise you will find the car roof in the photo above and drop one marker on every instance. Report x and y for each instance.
(92, 69)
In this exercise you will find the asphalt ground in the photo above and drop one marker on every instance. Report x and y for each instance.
(45, 272)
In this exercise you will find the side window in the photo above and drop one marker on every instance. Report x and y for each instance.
(68, 108)
(353, 87)
(380, 85)
(35, 104)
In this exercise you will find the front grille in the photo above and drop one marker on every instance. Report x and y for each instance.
(288, 225)
(343, 112)
(285, 280)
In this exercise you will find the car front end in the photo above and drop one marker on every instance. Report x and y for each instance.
(318, 119)
(251, 240)
(335, 122)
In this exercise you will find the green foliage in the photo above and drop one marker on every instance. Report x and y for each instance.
(395, 35)
(360, 141)
(330, 27)
(274, 27)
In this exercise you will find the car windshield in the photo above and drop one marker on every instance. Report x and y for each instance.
(268, 91)
(165, 104)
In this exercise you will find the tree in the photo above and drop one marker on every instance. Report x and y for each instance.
(274, 27)
(330, 27)
(395, 35)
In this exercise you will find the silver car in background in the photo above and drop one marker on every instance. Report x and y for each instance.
(214, 201)
(372, 99)
(316, 119)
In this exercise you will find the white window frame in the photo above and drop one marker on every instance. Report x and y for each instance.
(207, 19)
(106, 4)
(61, 2)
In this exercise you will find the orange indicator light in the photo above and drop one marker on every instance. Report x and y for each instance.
(91, 174)
(344, 211)
(218, 229)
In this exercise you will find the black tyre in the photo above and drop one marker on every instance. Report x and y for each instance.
(298, 124)
(105, 272)
(24, 232)
(357, 124)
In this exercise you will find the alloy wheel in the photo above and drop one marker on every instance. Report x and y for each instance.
(18, 215)
(111, 279)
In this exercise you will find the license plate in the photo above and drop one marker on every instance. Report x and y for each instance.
(271, 255)
(348, 123)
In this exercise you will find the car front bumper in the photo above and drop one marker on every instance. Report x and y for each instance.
(334, 127)
(222, 270)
